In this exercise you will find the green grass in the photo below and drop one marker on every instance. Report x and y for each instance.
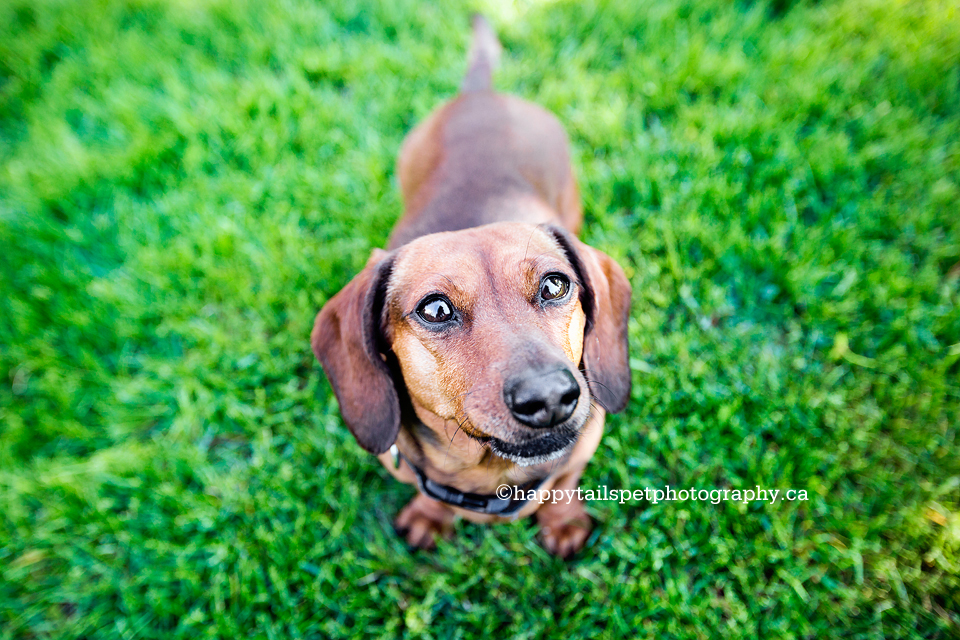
(183, 185)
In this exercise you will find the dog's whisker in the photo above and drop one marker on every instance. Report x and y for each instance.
(529, 238)
(446, 453)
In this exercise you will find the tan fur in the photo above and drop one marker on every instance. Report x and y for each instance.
(482, 178)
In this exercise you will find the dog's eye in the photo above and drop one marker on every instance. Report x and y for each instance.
(435, 309)
(554, 286)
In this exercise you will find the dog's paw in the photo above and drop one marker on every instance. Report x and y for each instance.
(422, 520)
(564, 531)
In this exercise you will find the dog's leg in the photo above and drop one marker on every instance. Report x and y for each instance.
(565, 525)
(422, 520)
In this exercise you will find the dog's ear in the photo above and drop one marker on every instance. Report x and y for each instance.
(347, 339)
(605, 298)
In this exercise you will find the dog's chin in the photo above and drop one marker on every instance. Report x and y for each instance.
(547, 447)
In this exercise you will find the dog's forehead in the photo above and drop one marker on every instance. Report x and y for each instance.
(464, 260)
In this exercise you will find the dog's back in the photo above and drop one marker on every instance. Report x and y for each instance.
(485, 157)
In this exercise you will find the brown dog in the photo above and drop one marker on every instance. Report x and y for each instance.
(468, 356)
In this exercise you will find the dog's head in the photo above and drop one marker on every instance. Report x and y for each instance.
(493, 327)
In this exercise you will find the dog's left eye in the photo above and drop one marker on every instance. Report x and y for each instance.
(554, 286)
(435, 310)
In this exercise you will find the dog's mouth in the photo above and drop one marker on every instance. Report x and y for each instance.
(549, 446)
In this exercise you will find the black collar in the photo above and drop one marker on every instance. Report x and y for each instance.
(489, 504)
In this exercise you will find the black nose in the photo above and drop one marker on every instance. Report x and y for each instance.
(542, 400)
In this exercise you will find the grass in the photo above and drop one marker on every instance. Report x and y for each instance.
(183, 185)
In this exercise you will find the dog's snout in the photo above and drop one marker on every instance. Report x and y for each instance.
(542, 400)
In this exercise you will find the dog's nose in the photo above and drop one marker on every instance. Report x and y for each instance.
(542, 400)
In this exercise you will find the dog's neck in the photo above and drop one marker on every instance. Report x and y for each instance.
(460, 460)
(505, 502)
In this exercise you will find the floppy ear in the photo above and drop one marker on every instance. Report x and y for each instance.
(605, 298)
(347, 340)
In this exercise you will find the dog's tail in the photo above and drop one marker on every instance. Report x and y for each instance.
(484, 56)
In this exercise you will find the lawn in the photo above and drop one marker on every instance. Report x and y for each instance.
(184, 184)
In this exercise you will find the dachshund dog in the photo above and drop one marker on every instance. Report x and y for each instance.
(478, 354)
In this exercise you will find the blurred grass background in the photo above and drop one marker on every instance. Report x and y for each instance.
(183, 185)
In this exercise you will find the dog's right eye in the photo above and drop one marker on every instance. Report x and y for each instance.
(435, 310)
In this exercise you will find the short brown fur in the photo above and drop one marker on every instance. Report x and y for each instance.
(491, 206)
